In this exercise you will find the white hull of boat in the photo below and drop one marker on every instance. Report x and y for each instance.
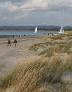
(35, 32)
(61, 32)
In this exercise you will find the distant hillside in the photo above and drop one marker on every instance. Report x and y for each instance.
(40, 27)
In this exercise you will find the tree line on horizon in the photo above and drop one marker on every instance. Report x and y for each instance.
(33, 27)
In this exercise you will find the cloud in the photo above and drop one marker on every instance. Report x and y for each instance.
(46, 5)
(4, 0)
(4, 18)
(34, 9)
(13, 1)
(18, 1)
(36, 5)
(23, 15)
(54, 12)
(9, 6)
(26, 6)
(13, 8)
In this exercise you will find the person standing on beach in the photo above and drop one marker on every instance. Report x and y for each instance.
(15, 41)
(9, 42)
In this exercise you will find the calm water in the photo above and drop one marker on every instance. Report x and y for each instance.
(26, 32)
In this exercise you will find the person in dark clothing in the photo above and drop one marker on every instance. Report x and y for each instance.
(13, 36)
(15, 41)
(9, 42)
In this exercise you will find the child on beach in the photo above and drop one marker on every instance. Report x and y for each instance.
(9, 42)
(15, 41)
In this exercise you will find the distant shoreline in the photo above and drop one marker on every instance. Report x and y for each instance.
(29, 30)
(34, 30)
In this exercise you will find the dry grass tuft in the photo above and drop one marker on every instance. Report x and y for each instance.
(35, 47)
(58, 48)
(37, 75)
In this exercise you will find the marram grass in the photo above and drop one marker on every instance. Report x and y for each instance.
(59, 48)
(31, 76)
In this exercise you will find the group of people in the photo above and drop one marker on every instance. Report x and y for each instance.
(9, 42)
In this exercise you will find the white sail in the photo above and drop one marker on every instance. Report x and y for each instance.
(35, 30)
(61, 30)
(61, 27)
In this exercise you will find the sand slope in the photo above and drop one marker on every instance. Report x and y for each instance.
(11, 55)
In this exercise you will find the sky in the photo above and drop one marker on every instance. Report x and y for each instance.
(35, 12)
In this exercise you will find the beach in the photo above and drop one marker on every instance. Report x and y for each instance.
(11, 55)
(36, 59)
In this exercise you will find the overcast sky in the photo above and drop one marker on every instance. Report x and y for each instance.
(35, 12)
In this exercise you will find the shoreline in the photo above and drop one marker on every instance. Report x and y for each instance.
(25, 30)
(34, 30)
(30, 30)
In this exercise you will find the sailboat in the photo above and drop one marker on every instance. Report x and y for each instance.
(61, 30)
(35, 30)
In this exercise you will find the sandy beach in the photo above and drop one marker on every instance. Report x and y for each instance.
(11, 55)
(26, 62)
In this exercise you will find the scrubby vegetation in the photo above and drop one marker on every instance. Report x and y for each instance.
(35, 47)
(62, 47)
(32, 76)
(59, 48)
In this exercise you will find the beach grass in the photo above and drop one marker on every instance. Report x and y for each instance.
(59, 48)
(32, 76)
(61, 42)
(35, 47)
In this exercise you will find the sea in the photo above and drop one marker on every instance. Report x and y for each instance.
(30, 33)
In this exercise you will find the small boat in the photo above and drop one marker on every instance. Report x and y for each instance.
(35, 30)
(61, 31)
